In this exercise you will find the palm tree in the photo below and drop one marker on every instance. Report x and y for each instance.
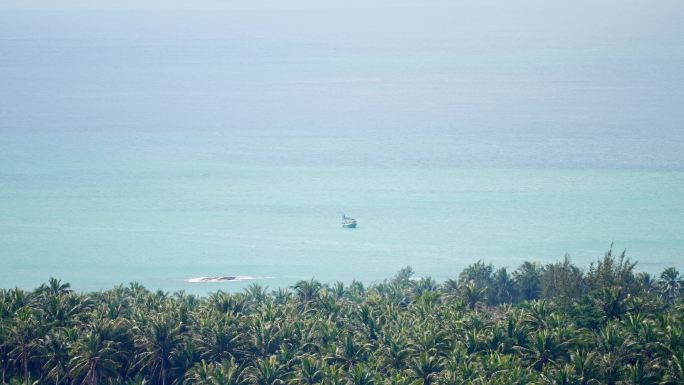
(93, 359)
(223, 373)
(472, 294)
(396, 332)
(256, 292)
(282, 296)
(200, 374)
(55, 351)
(310, 371)
(15, 299)
(349, 352)
(614, 340)
(218, 337)
(451, 288)
(394, 351)
(55, 288)
(400, 379)
(333, 375)
(671, 284)
(307, 290)
(430, 339)
(639, 374)
(5, 347)
(264, 336)
(584, 366)
(360, 375)
(425, 368)
(338, 290)
(460, 369)
(613, 302)
(25, 333)
(422, 286)
(158, 342)
(504, 287)
(62, 310)
(538, 314)
(516, 330)
(478, 272)
(543, 349)
(674, 372)
(646, 282)
(266, 372)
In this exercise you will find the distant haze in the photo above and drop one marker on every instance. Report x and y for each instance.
(201, 138)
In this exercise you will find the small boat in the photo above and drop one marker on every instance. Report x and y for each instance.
(348, 223)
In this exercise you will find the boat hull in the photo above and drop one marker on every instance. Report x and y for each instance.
(349, 225)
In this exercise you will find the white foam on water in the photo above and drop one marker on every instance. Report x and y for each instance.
(231, 278)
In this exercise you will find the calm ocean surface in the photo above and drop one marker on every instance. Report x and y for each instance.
(159, 145)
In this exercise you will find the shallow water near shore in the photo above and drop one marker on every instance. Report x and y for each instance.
(228, 142)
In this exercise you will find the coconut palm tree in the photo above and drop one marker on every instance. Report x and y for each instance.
(425, 368)
(55, 288)
(25, 333)
(503, 287)
(585, 367)
(399, 331)
(394, 351)
(349, 352)
(613, 302)
(451, 289)
(473, 294)
(544, 348)
(158, 342)
(54, 349)
(266, 372)
(639, 374)
(5, 344)
(307, 291)
(218, 337)
(671, 284)
(256, 293)
(264, 335)
(310, 371)
(333, 375)
(674, 369)
(223, 373)
(94, 360)
(359, 374)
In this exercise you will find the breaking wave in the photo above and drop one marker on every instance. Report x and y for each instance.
(232, 278)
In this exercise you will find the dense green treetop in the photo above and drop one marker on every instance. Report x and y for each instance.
(538, 324)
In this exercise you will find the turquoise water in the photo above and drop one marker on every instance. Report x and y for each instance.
(115, 213)
(165, 145)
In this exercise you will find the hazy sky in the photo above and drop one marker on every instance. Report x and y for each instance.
(522, 21)
(614, 67)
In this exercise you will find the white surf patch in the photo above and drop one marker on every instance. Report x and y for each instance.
(229, 278)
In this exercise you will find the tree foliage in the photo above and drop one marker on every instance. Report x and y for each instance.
(552, 324)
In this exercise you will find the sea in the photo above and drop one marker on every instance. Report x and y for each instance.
(163, 142)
